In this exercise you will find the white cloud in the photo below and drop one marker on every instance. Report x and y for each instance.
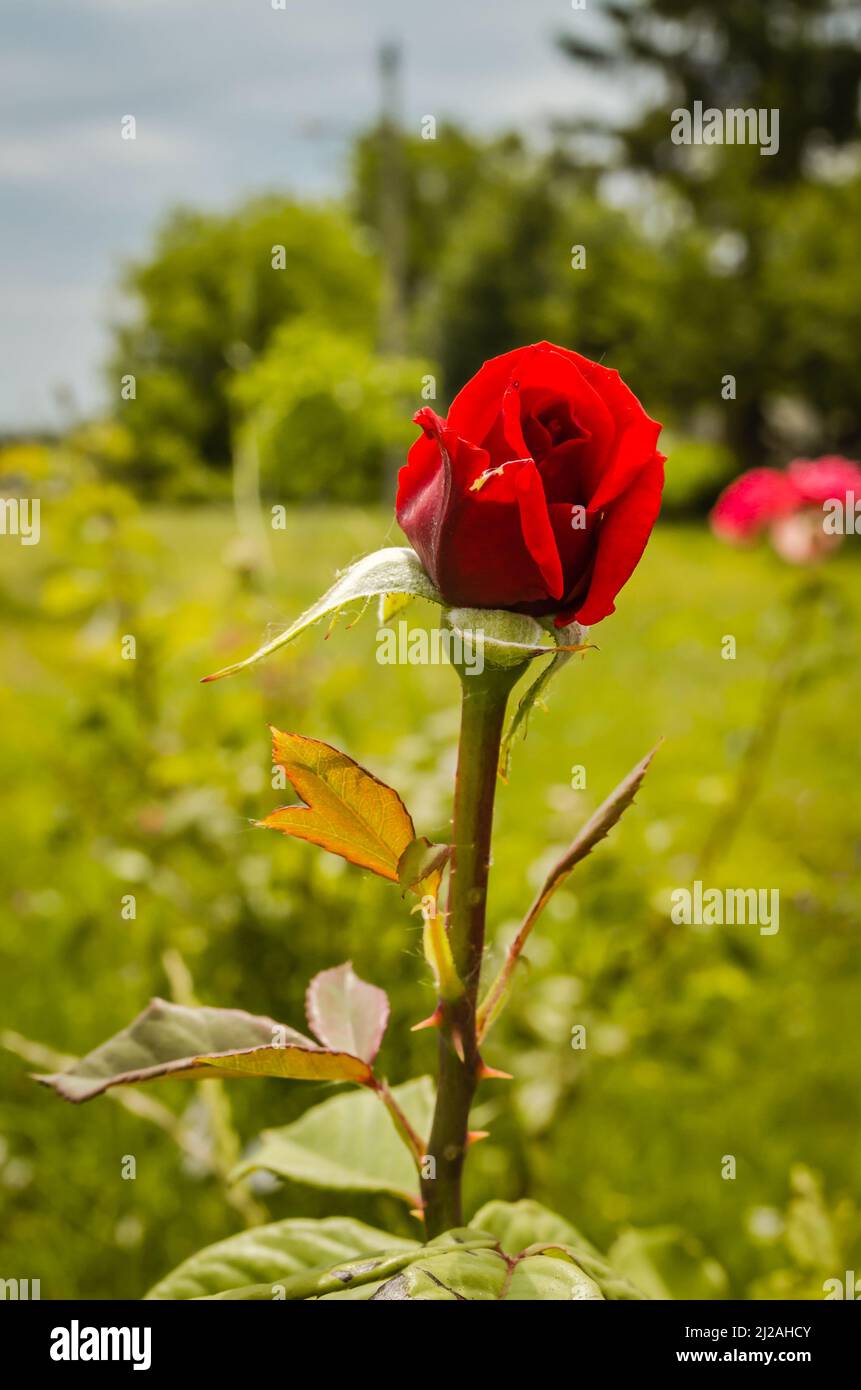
(69, 153)
(223, 92)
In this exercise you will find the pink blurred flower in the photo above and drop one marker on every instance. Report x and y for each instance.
(820, 480)
(800, 540)
(788, 505)
(751, 502)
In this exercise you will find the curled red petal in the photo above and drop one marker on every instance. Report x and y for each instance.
(437, 476)
(478, 403)
(537, 530)
(624, 532)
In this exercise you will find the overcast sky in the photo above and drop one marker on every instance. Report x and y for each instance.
(224, 93)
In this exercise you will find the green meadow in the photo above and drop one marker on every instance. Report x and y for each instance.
(128, 779)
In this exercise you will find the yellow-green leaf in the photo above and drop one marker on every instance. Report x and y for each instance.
(347, 810)
(422, 863)
(291, 1062)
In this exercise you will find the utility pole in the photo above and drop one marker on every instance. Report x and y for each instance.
(392, 222)
(392, 212)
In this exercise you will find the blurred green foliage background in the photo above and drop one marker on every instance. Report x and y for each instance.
(130, 776)
(278, 353)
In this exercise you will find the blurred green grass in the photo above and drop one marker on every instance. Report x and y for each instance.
(126, 777)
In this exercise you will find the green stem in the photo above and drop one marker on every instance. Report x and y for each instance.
(412, 1140)
(482, 715)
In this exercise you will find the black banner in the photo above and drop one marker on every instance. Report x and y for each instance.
(65, 1339)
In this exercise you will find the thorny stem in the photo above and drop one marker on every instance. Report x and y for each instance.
(484, 700)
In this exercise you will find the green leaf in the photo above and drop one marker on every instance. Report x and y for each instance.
(573, 636)
(422, 861)
(449, 1277)
(395, 570)
(612, 1284)
(420, 871)
(349, 1143)
(273, 1253)
(376, 1268)
(290, 1063)
(173, 1041)
(517, 1225)
(316, 1283)
(346, 1013)
(372, 1268)
(438, 954)
(527, 1227)
(342, 1259)
(355, 1294)
(481, 1273)
(347, 811)
(544, 1278)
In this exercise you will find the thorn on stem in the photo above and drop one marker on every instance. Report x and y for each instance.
(433, 1021)
(486, 1073)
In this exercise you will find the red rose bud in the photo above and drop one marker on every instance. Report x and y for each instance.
(539, 491)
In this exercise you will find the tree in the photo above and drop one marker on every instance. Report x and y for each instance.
(207, 302)
(800, 58)
(325, 413)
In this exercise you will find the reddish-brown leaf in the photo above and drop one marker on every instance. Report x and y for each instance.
(345, 1013)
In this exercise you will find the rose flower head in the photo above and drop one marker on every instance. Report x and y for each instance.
(539, 490)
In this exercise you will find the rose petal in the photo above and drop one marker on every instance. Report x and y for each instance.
(624, 532)
(486, 563)
(557, 372)
(479, 402)
(635, 434)
(439, 468)
(537, 530)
